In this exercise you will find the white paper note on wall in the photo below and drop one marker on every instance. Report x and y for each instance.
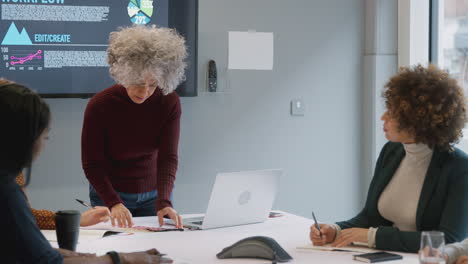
(250, 50)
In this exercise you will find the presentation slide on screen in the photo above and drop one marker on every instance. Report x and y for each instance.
(59, 46)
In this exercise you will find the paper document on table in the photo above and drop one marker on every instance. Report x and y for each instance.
(103, 226)
(342, 249)
(50, 235)
(133, 229)
(85, 234)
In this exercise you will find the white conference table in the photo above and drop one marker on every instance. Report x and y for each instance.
(201, 246)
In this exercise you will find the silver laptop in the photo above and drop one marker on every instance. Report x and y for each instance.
(239, 198)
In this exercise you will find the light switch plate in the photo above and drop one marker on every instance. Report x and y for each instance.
(297, 107)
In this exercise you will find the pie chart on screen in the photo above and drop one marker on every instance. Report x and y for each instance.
(140, 11)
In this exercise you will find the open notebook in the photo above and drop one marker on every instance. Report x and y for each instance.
(353, 248)
(85, 235)
(106, 229)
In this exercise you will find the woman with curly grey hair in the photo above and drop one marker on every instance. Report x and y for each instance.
(420, 180)
(131, 130)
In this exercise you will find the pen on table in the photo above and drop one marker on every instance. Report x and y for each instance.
(316, 224)
(165, 230)
(83, 203)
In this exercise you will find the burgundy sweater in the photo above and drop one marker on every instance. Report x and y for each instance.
(130, 147)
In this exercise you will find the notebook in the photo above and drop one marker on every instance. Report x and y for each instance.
(377, 257)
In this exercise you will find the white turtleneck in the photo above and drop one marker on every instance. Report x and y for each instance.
(398, 202)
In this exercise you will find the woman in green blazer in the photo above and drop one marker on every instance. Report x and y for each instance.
(420, 180)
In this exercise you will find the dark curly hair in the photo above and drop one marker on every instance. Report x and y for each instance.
(428, 104)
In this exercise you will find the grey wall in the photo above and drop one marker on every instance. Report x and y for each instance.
(318, 58)
(380, 63)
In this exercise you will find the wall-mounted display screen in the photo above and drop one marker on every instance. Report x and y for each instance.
(58, 47)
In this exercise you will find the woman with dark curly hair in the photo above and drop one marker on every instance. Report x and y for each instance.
(420, 179)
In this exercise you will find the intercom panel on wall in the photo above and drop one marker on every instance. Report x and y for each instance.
(212, 76)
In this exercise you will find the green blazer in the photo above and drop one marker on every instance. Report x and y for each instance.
(443, 204)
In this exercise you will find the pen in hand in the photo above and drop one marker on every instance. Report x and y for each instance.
(84, 203)
(316, 224)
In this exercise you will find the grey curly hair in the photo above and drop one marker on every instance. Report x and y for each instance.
(140, 51)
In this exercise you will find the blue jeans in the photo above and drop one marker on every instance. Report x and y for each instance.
(139, 204)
